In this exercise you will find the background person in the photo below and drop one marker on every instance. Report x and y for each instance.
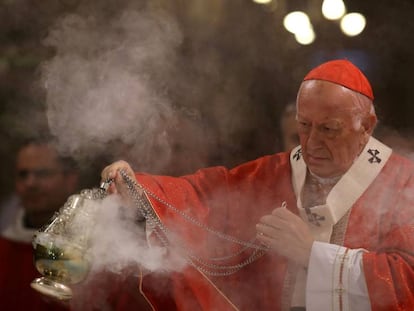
(43, 182)
(335, 214)
(288, 128)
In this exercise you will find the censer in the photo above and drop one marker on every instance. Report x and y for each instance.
(60, 247)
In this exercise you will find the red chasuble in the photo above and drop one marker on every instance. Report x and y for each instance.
(232, 202)
(17, 271)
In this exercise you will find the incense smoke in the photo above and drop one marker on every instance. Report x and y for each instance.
(118, 254)
(152, 88)
(118, 242)
(105, 94)
(107, 91)
(101, 87)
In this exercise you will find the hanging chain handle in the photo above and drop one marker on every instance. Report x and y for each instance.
(203, 264)
(131, 186)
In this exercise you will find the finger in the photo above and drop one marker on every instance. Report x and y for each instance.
(108, 172)
(284, 214)
(263, 239)
(281, 211)
(112, 188)
(267, 219)
(269, 242)
(273, 221)
(266, 230)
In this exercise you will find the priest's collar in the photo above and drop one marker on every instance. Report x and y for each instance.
(348, 188)
(324, 180)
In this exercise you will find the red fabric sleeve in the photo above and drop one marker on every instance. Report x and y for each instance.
(17, 271)
(389, 272)
(231, 202)
(389, 266)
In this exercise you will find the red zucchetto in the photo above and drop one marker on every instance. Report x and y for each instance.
(344, 73)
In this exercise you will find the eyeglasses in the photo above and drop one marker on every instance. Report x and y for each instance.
(38, 174)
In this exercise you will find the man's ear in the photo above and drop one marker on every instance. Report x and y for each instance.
(368, 124)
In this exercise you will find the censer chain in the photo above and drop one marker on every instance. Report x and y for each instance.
(198, 262)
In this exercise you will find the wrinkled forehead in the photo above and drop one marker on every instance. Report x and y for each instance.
(326, 100)
(324, 94)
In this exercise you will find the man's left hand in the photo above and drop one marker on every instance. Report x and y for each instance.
(287, 234)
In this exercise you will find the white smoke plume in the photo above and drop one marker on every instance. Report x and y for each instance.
(107, 83)
(100, 84)
(118, 242)
(118, 254)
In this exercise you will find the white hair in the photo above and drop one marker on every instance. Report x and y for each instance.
(364, 108)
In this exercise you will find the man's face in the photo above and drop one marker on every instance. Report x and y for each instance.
(329, 127)
(41, 183)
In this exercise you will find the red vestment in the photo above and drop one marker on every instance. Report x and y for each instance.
(17, 271)
(105, 291)
(232, 201)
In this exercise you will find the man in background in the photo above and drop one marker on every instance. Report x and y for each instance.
(43, 182)
(288, 127)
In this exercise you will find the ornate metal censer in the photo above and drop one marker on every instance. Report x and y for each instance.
(60, 248)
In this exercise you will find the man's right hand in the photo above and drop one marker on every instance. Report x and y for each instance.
(112, 172)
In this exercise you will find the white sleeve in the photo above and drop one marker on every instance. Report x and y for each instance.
(335, 279)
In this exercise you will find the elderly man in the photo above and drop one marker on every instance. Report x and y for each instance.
(327, 226)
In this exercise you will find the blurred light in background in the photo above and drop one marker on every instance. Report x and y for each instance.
(297, 21)
(333, 9)
(299, 24)
(262, 1)
(305, 36)
(353, 24)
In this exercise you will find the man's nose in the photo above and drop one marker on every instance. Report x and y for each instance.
(314, 138)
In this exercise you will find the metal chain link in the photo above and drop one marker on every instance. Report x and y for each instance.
(203, 264)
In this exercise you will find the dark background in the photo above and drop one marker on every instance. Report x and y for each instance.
(256, 71)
